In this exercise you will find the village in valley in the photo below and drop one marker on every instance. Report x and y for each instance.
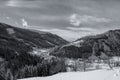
(93, 62)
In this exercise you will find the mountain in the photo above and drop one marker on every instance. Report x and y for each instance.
(17, 40)
(15, 58)
(108, 43)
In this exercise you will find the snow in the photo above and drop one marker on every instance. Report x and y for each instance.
(76, 43)
(40, 52)
(102, 74)
(49, 43)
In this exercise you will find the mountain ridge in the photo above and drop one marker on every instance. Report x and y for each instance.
(108, 42)
(16, 38)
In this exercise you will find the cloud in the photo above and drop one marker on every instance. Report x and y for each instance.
(24, 23)
(12, 3)
(77, 20)
(81, 29)
(74, 20)
(7, 17)
(51, 17)
(23, 3)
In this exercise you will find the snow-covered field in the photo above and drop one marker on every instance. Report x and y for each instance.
(103, 74)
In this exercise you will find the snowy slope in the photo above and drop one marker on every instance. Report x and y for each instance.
(89, 75)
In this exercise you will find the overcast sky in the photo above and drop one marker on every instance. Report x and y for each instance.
(70, 19)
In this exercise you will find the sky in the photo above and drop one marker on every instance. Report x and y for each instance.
(70, 19)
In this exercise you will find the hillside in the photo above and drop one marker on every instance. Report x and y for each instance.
(15, 58)
(15, 40)
(29, 37)
(108, 43)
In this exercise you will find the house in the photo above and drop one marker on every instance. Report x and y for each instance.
(103, 56)
(93, 58)
(115, 61)
(70, 64)
(99, 62)
(74, 65)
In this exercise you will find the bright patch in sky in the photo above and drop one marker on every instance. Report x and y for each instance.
(81, 29)
(69, 35)
(77, 20)
(13, 3)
